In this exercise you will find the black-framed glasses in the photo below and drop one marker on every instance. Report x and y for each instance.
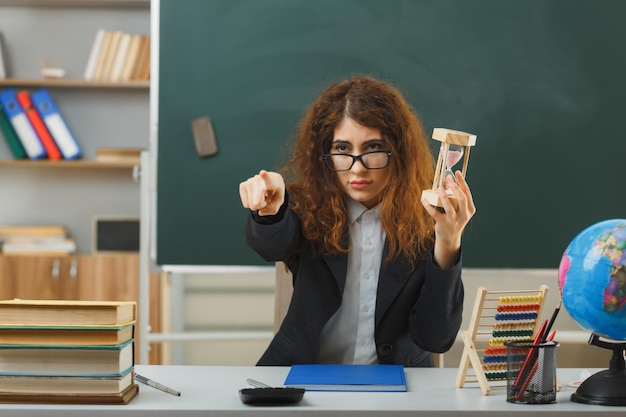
(370, 160)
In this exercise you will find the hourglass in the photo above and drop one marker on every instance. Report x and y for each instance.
(455, 145)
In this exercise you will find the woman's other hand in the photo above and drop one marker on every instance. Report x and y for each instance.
(449, 225)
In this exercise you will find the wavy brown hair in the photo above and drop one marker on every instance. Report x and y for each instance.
(317, 195)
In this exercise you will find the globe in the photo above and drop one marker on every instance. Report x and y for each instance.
(592, 279)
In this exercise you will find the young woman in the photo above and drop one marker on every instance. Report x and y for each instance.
(376, 271)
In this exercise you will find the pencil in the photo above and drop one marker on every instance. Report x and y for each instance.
(551, 323)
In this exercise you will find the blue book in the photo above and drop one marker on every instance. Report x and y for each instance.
(56, 125)
(18, 119)
(347, 377)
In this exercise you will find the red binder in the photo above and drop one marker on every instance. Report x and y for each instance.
(37, 122)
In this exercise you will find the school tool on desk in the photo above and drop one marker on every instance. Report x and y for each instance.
(347, 377)
(548, 366)
(66, 312)
(25, 132)
(263, 394)
(77, 335)
(156, 385)
(123, 397)
(11, 136)
(56, 124)
(46, 357)
(529, 365)
(498, 317)
(78, 384)
(271, 395)
(66, 360)
(529, 360)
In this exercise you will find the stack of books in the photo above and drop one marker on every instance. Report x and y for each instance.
(34, 128)
(17, 240)
(118, 56)
(54, 351)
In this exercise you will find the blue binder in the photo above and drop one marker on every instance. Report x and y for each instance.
(25, 131)
(56, 124)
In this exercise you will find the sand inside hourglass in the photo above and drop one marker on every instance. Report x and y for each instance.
(454, 156)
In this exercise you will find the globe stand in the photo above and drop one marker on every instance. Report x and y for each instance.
(606, 387)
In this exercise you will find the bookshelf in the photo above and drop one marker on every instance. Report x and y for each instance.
(77, 3)
(65, 83)
(100, 114)
(72, 193)
(81, 163)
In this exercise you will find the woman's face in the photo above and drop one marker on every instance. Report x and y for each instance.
(361, 184)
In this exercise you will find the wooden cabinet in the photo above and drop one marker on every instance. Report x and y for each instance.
(98, 277)
(40, 277)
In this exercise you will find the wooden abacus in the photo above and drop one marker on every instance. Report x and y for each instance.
(498, 317)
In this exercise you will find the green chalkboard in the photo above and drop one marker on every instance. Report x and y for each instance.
(541, 83)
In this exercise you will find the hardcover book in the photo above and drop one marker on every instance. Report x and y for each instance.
(347, 377)
(39, 245)
(94, 54)
(66, 312)
(122, 397)
(66, 360)
(63, 335)
(78, 384)
(32, 231)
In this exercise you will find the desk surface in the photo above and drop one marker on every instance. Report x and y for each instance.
(213, 390)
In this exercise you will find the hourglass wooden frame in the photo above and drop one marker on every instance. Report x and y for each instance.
(448, 137)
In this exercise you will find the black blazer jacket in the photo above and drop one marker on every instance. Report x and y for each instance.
(417, 311)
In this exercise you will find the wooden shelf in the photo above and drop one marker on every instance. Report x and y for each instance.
(19, 82)
(79, 163)
(77, 3)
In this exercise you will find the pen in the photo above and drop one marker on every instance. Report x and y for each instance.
(257, 384)
(156, 385)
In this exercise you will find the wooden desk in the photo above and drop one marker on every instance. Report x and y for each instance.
(213, 391)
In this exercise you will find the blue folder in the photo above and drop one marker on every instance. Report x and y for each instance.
(347, 377)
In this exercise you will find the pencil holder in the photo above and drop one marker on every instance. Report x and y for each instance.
(531, 372)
